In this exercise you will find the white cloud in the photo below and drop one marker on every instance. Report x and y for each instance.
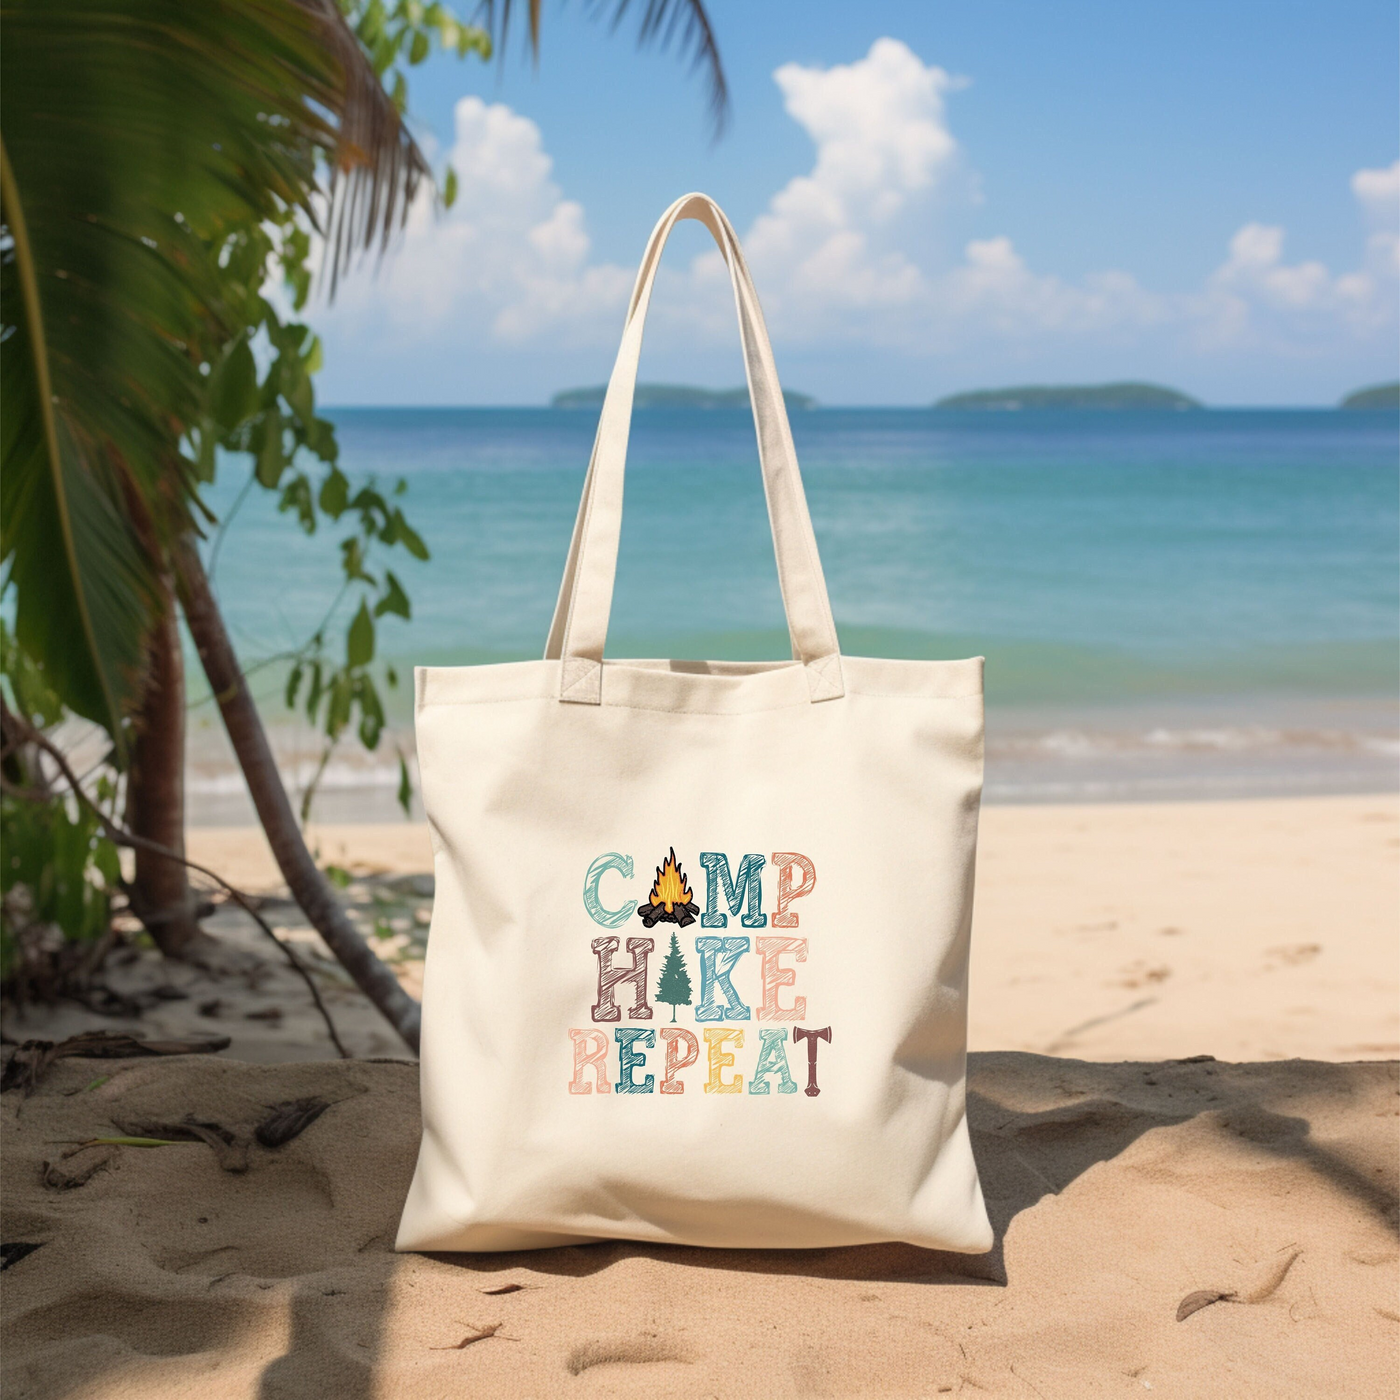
(1378, 192)
(830, 242)
(849, 253)
(994, 289)
(881, 133)
(511, 258)
(1257, 298)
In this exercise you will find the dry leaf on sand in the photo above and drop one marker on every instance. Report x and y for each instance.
(28, 1064)
(481, 1334)
(228, 1148)
(289, 1120)
(1263, 1284)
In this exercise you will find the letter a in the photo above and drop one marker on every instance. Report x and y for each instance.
(772, 1059)
(747, 881)
(609, 976)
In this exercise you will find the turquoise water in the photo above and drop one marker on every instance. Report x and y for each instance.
(1228, 570)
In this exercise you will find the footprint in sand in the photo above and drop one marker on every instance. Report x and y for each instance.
(1141, 974)
(623, 1351)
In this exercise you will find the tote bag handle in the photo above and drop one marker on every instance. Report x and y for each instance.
(580, 627)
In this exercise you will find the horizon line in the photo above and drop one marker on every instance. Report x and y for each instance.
(870, 407)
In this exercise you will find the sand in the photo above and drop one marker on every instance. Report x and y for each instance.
(1117, 1191)
(1111, 941)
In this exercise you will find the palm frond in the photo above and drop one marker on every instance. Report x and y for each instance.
(78, 581)
(136, 132)
(683, 23)
(377, 166)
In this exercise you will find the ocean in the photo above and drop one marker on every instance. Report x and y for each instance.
(1171, 605)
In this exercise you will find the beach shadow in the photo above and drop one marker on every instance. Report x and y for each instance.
(1038, 1125)
(319, 1360)
(1025, 1153)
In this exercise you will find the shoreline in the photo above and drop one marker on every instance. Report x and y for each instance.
(1148, 751)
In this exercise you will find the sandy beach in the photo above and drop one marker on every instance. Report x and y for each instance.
(1117, 948)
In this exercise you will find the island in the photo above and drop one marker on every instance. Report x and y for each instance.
(1377, 396)
(675, 396)
(1128, 395)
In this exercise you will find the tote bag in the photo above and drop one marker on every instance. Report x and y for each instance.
(697, 966)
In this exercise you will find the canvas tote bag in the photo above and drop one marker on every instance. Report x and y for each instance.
(697, 967)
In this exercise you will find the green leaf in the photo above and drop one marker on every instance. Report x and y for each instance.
(206, 462)
(338, 709)
(469, 37)
(272, 460)
(449, 187)
(296, 389)
(359, 640)
(405, 793)
(395, 600)
(293, 685)
(352, 560)
(296, 496)
(29, 690)
(419, 48)
(314, 692)
(338, 876)
(320, 439)
(335, 493)
(407, 536)
(371, 712)
(83, 585)
(233, 386)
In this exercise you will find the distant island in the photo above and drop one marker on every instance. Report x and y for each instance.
(1125, 396)
(675, 396)
(1378, 396)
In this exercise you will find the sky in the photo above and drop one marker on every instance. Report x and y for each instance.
(932, 196)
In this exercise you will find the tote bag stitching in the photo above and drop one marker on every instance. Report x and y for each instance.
(621, 705)
(702, 714)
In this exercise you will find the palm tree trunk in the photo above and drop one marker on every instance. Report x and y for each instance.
(309, 887)
(161, 896)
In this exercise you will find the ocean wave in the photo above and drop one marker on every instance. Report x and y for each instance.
(1222, 739)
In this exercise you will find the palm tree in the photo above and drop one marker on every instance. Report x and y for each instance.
(140, 141)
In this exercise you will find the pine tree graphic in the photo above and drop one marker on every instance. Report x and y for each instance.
(674, 986)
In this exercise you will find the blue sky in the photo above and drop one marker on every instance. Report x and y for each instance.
(934, 197)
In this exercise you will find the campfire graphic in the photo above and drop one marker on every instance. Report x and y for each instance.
(670, 900)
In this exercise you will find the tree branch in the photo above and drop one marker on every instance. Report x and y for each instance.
(308, 885)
